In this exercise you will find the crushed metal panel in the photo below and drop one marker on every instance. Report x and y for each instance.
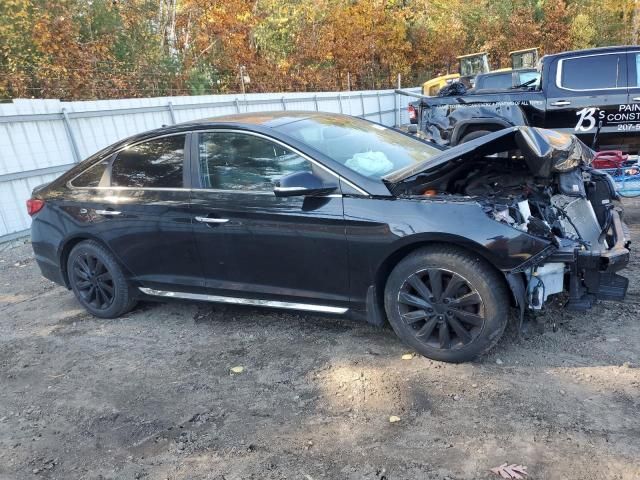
(584, 223)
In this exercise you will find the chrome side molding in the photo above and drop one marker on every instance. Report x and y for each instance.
(244, 301)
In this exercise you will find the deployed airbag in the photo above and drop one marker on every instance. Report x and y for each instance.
(370, 163)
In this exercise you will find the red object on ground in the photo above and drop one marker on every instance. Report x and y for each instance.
(609, 159)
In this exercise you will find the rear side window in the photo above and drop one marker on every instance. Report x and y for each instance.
(92, 176)
(495, 82)
(157, 163)
(594, 72)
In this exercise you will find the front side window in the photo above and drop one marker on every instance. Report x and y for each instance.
(157, 163)
(238, 161)
(593, 72)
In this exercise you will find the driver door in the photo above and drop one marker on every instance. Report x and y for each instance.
(255, 245)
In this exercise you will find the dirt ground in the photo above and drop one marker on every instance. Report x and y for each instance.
(151, 395)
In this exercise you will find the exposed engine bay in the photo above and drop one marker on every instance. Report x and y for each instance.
(556, 207)
(541, 183)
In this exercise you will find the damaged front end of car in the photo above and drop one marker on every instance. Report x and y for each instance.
(540, 182)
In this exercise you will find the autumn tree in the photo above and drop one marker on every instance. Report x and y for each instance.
(80, 49)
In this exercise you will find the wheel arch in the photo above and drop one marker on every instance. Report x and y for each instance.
(393, 258)
(70, 242)
(464, 127)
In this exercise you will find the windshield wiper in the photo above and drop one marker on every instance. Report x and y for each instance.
(525, 84)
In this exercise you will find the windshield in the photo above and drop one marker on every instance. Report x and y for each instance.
(471, 66)
(364, 147)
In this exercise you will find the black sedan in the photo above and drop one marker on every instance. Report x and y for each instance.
(330, 213)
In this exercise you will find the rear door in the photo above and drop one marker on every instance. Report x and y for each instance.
(255, 245)
(142, 210)
(584, 90)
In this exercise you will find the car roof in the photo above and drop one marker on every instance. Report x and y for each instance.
(265, 119)
(589, 51)
(250, 120)
(253, 121)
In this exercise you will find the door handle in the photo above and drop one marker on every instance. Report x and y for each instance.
(211, 220)
(108, 212)
(561, 103)
(636, 99)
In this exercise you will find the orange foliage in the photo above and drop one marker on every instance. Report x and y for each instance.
(75, 49)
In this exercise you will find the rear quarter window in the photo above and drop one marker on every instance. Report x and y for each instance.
(92, 176)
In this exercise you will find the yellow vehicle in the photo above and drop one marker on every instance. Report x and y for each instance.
(474, 63)
(433, 86)
(527, 58)
(468, 67)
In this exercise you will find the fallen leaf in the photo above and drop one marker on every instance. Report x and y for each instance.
(237, 369)
(510, 471)
(394, 419)
(407, 356)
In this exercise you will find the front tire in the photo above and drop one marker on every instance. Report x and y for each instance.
(98, 282)
(446, 303)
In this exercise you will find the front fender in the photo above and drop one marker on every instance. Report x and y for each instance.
(382, 229)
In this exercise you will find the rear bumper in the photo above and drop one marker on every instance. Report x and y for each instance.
(50, 270)
(45, 241)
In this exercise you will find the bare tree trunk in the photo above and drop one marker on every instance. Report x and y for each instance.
(160, 22)
(171, 30)
(186, 35)
(636, 22)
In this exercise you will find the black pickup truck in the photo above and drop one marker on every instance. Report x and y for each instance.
(584, 92)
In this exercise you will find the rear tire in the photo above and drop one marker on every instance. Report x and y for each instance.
(446, 303)
(98, 282)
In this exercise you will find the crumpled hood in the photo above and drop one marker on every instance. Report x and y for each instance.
(545, 151)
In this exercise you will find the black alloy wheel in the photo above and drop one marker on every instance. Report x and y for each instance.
(93, 281)
(447, 303)
(98, 281)
(442, 307)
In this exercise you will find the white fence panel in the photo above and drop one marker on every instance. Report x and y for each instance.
(40, 139)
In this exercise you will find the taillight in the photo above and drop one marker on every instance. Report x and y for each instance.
(413, 114)
(34, 205)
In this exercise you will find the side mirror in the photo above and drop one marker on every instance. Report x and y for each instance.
(412, 128)
(302, 184)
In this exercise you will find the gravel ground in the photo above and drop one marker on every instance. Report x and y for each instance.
(152, 395)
